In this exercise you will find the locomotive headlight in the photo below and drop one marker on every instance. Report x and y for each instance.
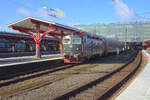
(77, 49)
(71, 53)
(76, 55)
(64, 54)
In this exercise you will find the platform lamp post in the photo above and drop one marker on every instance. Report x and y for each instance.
(95, 29)
(126, 38)
(135, 31)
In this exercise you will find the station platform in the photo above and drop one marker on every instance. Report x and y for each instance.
(21, 54)
(27, 59)
(139, 89)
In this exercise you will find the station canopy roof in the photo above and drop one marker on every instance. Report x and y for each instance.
(30, 23)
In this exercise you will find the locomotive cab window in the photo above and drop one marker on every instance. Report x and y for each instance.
(76, 41)
(66, 41)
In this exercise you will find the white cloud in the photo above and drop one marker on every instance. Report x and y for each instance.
(24, 12)
(42, 12)
(123, 11)
(73, 23)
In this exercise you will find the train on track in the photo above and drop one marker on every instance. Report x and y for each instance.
(78, 48)
(23, 46)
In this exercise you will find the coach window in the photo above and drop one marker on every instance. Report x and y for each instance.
(76, 41)
(84, 40)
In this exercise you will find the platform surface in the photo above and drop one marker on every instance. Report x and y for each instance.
(21, 54)
(27, 59)
(139, 89)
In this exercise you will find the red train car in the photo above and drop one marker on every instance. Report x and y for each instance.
(146, 45)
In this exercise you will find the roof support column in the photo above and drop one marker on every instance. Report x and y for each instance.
(45, 45)
(13, 45)
(38, 53)
(30, 47)
(37, 41)
(61, 46)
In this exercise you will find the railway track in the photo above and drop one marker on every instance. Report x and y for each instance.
(15, 76)
(39, 79)
(9, 72)
(102, 88)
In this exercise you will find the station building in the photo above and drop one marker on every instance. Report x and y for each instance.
(127, 32)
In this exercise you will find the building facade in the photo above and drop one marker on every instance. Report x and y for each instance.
(129, 32)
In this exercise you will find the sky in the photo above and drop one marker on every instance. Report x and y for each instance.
(74, 11)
